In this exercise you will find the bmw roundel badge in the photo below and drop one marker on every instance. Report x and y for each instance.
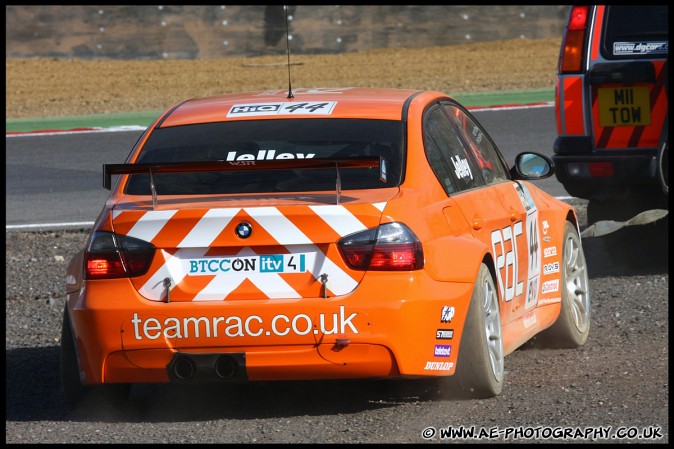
(244, 230)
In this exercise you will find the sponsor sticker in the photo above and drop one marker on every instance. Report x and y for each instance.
(442, 350)
(550, 286)
(447, 314)
(270, 263)
(550, 251)
(218, 327)
(438, 366)
(444, 334)
(546, 301)
(529, 319)
(236, 158)
(282, 108)
(550, 268)
(461, 168)
(640, 48)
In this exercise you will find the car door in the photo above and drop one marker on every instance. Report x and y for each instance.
(478, 200)
(515, 244)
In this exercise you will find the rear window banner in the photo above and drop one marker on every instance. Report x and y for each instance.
(640, 48)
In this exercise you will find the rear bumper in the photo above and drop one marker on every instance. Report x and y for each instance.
(322, 361)
(379, 330)
(597, 172)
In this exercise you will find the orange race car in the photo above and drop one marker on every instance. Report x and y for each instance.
(333, 233)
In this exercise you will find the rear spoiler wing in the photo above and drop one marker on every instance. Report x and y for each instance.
(210, 166)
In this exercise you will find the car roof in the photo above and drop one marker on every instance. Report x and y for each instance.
(366, 103)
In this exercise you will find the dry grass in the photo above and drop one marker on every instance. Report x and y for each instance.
(55, 87)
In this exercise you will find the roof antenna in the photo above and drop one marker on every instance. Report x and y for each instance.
(290, 89)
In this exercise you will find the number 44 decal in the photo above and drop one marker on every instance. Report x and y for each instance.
(534, 271)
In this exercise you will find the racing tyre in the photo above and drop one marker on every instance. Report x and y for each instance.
(74, 392)
(663, 161)
(573, 324)
(480, 366)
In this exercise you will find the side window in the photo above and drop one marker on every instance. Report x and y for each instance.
(438, 164)
(485, 154)
(447, 155)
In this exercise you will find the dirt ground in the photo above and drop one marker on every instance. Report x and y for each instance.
(59, 87)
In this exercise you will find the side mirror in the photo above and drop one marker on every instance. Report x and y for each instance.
(532, 166)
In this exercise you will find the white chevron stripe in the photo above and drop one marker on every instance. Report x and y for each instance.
(208, 228)
(274, 287)
(339, 282)
(149, 225)
(339, 219)
(278, 225)
(380, 206)
(174, 267)
(197, 243)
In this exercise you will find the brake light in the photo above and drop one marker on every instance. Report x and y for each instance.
(112, 256)
(390, 247)
(590, 169)
(601, 169)
(572, 48)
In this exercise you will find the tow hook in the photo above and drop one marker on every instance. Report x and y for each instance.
(167, 286)
(323, 278)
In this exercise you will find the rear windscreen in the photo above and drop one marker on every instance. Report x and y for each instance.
(267, 140)
(636, 32)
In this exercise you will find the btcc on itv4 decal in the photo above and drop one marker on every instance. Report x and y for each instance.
(320, 234)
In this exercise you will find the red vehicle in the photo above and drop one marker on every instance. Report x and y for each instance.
(612, 107)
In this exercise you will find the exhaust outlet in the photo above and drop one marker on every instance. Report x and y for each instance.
(226, 367)
(184, 368)
(198, 367)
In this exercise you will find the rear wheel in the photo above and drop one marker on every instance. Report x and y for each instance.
(74, 392)
(573, 324)
(480, 366)
(663, 161)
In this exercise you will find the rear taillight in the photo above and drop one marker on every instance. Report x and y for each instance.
(390, 247)
(571, 57)
(115, 256)
(590, 169)
(601, 169)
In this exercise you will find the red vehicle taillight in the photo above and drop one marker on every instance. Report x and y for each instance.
(601, 169)
(112, 256)
(390, 247)
(570, 60)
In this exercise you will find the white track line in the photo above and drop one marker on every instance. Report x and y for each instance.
(48, 225)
